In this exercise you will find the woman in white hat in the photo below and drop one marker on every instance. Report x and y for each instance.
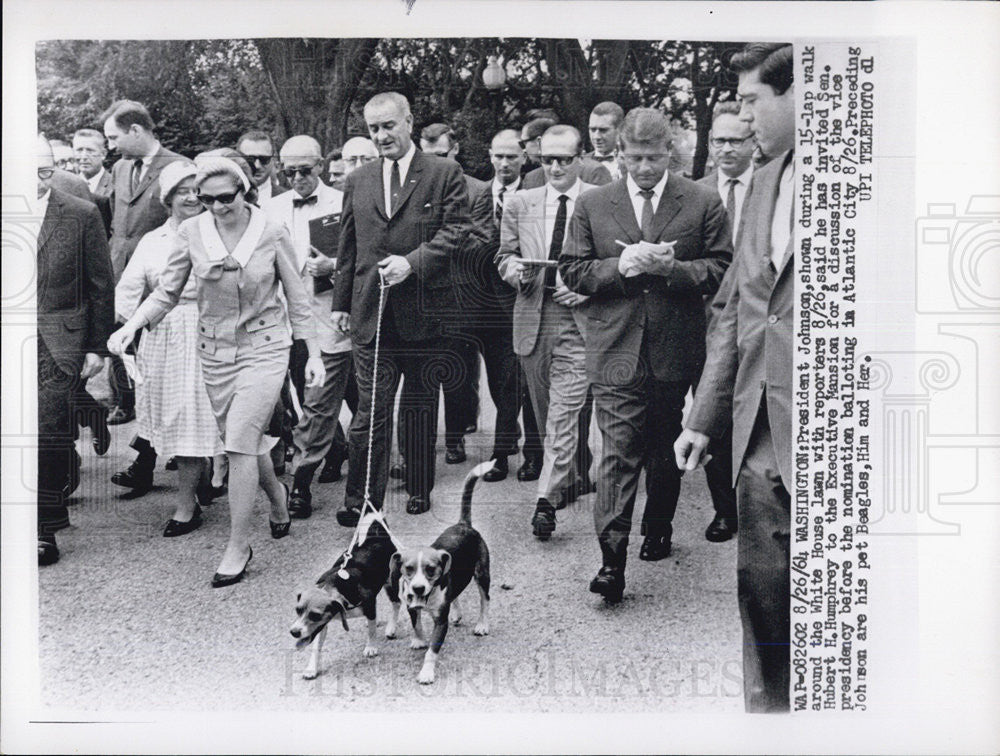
(172, 406)
(238, 258)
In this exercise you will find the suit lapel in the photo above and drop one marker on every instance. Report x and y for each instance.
(624, 214)
(670, 205)
(378, 189)
(768, 195)
(536, 218)
(152, 171)
(50, 221)
(412, 177)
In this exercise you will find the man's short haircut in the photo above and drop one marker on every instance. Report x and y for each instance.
(126, 113)
(562, 129)
(536, 127)
(383, 98)
(255, 135)
(513, 134)
(335, 154)
(435, 131)
(646, 126)
(542, 113)
(609, 108)
(729, 107)
(774, 59)
(90, 134)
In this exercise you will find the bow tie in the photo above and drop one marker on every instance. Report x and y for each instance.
(604, 158)
(302, 201)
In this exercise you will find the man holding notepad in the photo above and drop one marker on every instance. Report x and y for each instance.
(311, 212)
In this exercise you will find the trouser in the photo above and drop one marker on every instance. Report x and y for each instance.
(719, 475)
(421, 365)
(639, 423)
(58, 462)
(762, 568)
(556, 372)
(534, 440)
(319, 428)
(87, 412)
(122, 391)
(461, 392)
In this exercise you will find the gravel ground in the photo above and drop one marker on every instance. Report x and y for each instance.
(128, 620)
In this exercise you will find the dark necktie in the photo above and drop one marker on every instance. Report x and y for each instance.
(731, 200)
(558, 232)
(394, 187)
(312, 199)
(603, 158)
(136, 174)
(647, 214)
(498, 210)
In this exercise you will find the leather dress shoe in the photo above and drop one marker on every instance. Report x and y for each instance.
(530, 470)
(543, 522)
(171, 464)
(398, 471)
(455, 455)
(101, 436)
(300, 504)
(331, 471)
(281, 529)
(175, 528)
(118, 416)
(48, 552)
(610, 583)
(220, 580)
(498, 472)
(418, 504)
(348, 517)
(655, 546)
(137, 476)
(720, 529)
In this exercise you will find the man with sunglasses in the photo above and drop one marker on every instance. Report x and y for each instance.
(591, 172)
(318, 431)
(258, 150)
(646, 249)
(547, 331)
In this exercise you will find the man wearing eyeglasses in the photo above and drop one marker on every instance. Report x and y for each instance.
(404, 218)
(547, 332)
(318, 432)
(646, 250)
(591, 172)
(257, 149)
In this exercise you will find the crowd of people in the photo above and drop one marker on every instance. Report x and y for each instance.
(257, 288)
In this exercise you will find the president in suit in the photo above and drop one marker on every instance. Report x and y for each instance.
(547, 326)
(135, 211)
(748, 378)
(404, 218)
(646, 250)
(731, 144)
(75, 305)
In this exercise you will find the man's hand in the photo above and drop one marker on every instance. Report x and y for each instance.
(341, 321)
(120, 339)
(395, 269)
(690, 448)
(92, 365)
(321, 266)
(568, 298)
(315, 372)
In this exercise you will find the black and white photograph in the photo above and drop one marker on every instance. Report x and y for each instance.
(499, 377)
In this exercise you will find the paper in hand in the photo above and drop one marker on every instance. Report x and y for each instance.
(132, 369)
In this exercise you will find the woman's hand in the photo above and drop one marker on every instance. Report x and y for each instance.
(120, 339)
(315, 372)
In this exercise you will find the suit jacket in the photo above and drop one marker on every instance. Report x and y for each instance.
(592, 173)
(750, 345)
(522, 234)
(75, 288)
(669, 309)
(428, 229)
(135, 216)
(101, 197)
(71, 184)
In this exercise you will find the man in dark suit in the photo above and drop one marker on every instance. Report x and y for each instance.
(75, 304)
(732, 144)
(748, 378)
(404, 217)
(90, 151)
(647, 250)
(136, 210)
(591, 171)
(258, 150)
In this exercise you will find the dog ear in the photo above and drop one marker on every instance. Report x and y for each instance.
(445, 563)
(335, 607)
(298, 597)
(395, 565)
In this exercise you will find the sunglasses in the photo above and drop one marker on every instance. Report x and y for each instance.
(263, 160)
(304, 171)
(525, 142)
(226, 199)
(45, 173)
(564, 160)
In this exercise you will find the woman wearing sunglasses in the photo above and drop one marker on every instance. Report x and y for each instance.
(172, 406)
(238, 258)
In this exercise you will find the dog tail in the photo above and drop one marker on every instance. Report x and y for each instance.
(465, 517)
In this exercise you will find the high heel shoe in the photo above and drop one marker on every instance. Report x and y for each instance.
(175, 528)
(280, 529)
(219, 580)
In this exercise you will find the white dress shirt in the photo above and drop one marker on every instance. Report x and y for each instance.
(638, 201)
(147, 160)
(509, 189)
(404, 168)
(613, 166)
(742, 184)
(94, 180)
(781, 223)
(265, 191)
